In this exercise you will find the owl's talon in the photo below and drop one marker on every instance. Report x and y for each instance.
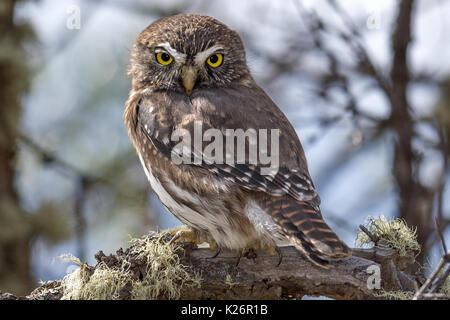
(174, 238)
(280, 255)
(183, 233)
(218, 251)
(212, 245)
(251, 254)
(190, 235)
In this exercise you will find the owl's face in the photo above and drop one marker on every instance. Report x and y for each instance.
(186, 52)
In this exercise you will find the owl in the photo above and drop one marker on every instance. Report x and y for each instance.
(191, 69)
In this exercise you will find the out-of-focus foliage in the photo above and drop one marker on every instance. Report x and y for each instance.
(17, 227)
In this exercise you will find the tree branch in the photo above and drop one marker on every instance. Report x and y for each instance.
(295, 277)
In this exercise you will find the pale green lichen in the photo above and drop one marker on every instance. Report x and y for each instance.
(393, 234)
(229, 281)
(445, 287)
(394, 295)
(69, 258)
(104, 284)
(164, 274)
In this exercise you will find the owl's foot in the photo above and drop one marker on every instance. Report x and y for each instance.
(280, 255)
(187, 234)
(250, 252)
(183, 233)
(273, 249)
(218, 251)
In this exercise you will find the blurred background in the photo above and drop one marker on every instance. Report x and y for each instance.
(366, 84)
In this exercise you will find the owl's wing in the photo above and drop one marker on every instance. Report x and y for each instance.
(291, 200)
(157, 120)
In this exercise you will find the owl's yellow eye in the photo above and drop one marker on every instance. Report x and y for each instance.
(164, 58)
(215, 60)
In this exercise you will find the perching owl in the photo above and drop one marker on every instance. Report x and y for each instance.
(189, 69)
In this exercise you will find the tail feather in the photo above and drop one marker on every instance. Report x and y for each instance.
(308, 232)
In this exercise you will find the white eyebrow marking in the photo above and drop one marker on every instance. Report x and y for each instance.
(203, 55)
(178, 56)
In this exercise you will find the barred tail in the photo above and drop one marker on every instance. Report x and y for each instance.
(306, 229)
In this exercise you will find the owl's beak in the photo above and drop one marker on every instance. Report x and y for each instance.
(189, 77)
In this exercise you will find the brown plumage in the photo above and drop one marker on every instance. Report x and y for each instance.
(235, 204)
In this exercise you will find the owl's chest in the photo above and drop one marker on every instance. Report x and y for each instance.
(211, 212)
(164, 189)
(202, 211)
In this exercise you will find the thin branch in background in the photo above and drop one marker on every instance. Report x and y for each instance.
(83, 183)
(315, 25)
(70, 171)
(442, 263)
(440, 281)
(437, 273)
(49, 157)
(441, 236)
(372, 237)
(355, 39)
(416, 200)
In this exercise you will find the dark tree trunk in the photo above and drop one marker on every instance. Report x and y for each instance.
(415, 205)
(14, 226)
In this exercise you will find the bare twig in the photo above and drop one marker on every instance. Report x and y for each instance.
(444, 260)
(71, 171)
(65, 167)
(441, 236)
(369, 234)
(355, 39)
(438, 296)
(440, 281)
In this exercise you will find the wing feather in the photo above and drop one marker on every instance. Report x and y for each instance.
(285, 180)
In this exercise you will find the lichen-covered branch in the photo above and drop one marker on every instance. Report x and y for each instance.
(153, 268)
(295, 276)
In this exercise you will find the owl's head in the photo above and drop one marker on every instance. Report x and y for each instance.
(185, 52)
